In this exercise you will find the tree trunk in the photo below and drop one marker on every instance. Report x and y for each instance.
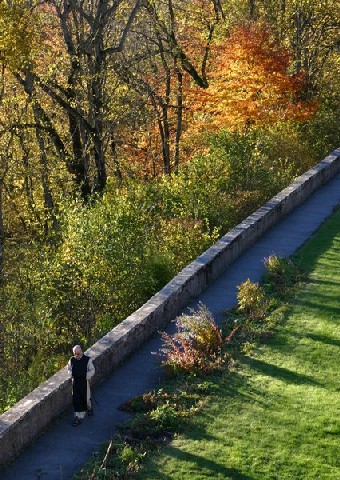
(48, 199)
(2, 234)
(101, 175)
(118, 172)
(252, 10)
(76, 164)
(37, 112)
(166, 141)
(4, 169)
(298, 18)
(97, 95)
(179, 118)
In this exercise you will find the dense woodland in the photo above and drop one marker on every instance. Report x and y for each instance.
(134, 133)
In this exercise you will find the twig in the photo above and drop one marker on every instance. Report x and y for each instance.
(103, 465)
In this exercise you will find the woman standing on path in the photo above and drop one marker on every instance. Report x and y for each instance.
(81, 368)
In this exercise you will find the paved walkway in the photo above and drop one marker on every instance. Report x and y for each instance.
(63, 449)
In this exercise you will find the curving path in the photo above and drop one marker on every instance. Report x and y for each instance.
(63, 449)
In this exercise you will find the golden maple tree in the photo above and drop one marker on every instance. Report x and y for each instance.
(249, 83)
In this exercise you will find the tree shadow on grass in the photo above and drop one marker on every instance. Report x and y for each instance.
(319, 338)
(236, 385)
(198, 432)
(208, 468)
(279, 372)
(323, 339)
(321, 301)
(319, 281)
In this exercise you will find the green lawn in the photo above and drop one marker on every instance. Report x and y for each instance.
(278, 415)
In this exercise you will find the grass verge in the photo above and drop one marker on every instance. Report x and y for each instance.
(276, 416)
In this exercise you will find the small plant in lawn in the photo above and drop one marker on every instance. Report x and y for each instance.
(252, 300)
(147, 401)
(281, 275)
(248, 319)
(197, 346)
(167, 417)
(130, 457)
(121, 460)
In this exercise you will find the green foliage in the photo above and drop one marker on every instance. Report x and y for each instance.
(157, 416)
(261, 306)
(147, 401)
(145, 425)
(199, 193)
(242, 157)
(281, 275)
(323, 131)
(18, 28)
(261, 159)
(252, 300)
(238, 174)
(106, 260)
(130, 457)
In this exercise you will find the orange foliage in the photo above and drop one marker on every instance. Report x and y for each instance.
(143, 149)
(249, 83)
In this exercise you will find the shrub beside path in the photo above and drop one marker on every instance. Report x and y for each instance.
(62, 450)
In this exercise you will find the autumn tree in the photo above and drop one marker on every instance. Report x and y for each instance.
(68, 83)
(17, 44)
(249, 83)
(23, 116)
(310, 29)
(168, 48)
(3, 172)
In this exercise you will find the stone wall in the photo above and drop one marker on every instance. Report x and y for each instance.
(26, 420)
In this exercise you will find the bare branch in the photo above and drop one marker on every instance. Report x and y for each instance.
(127, 27)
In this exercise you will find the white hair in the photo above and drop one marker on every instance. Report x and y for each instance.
(76, 347)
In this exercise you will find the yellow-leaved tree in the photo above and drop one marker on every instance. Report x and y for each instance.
(18, 30)
(249, 84)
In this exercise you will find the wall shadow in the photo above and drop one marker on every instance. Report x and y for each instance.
(320, 241)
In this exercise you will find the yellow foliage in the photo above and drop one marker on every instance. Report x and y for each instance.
(18, 28)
